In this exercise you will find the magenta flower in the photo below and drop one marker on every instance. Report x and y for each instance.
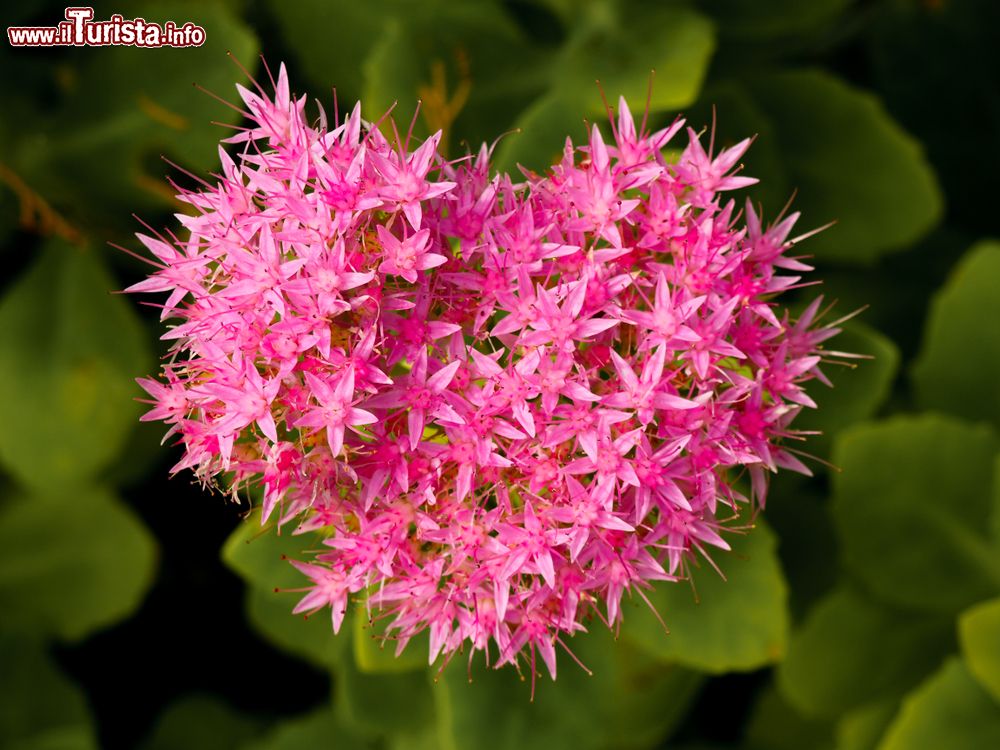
(333, 409)
(505, 405)
(404, 178)
(406, 257)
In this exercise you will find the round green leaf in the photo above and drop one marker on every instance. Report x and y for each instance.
(440, 28)
(851, 163)
(41, 708)
(142, 455)
(630, 701)
(202, 722)
(979, 633)
(393, 72)
(259, 556)
(851, 650)
(863, 728)
(396, 51)
(68, 358)
(376, 654)
(319, 729)
(739, 623)
(858, 391)
(309, 638)
(950, 710)
(72, 564)
(331, 62)
(477, 48)
(59, 738)
(622, 50)
(376, 704)
(912, 508)
(540, 134)
(425, 739)
(956, 369)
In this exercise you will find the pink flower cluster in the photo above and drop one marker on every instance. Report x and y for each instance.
(503, 404)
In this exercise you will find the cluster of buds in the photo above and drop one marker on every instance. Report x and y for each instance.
(503, 404)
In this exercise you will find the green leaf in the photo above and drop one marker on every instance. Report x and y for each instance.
(202, 722)
(395, 47)
(439, 28)
(376, 654)
(619, 50)
(375, 704)
(479, 45)
(128, 105)
(68, 358)
(857, 392)
(851, 650)
(72, 564)
(319, 729)
(309, 638)
(863, 728)
(259, 556)
(736, 624)
(979, 634)
(629, 702)
(912, 510)
(392, 72)
(59, 738)
(41, 708)
(475, 46)
(505, 80)
(851, 163)
(950, 710)
(956, 369)
(425, 739)
(331, 40)
(142, 457)
(541, 132)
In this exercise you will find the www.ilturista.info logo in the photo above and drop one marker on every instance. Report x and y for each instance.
(80, 30)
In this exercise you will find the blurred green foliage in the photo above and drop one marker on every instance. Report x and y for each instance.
(870, 609)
